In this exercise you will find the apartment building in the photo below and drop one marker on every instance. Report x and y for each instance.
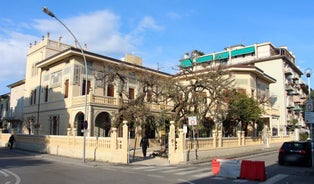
(16, 105)
(55, 94)
(4, 110)
(286, 95)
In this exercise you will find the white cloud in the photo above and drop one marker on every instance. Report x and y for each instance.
(149, 23)
(173, 15)
(13, 50)
(99, 30)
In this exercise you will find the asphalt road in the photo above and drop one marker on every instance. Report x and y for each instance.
(17, 167)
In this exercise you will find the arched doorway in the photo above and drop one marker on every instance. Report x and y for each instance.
(102, 125)
(79, 120)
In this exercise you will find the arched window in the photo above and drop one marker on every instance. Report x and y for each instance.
(110, 90)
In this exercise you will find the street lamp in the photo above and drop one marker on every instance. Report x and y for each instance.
(48, 12)
(308, 72)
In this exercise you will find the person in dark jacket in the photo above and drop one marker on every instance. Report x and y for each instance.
(11, 141)
(144, 144)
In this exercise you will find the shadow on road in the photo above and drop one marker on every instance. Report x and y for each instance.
(18, 158)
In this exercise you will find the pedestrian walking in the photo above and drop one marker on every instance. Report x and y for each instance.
(11, 141)
(144, 144)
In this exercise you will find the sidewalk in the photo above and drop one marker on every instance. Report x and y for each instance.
(215, 153)
(138, 159)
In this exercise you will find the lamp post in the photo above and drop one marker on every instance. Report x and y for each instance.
(48, 12)
(308, 72)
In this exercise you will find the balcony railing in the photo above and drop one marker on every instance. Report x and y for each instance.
(111, 101)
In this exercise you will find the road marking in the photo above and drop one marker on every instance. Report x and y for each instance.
(201, 170)
(160, 168)
(203, 175)
(18, 179)
(176, 170)
(274, 179)
(155, 176)
(185, 181)
(144, 167)
(4, 173)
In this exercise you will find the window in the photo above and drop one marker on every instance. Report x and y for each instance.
(131, 93)
(76, 74)
(110, 90)
(34, 70)
(149, 96)
(83, 87)
(54, 125)
(33, 97)
(56, 79)
(66, 88)
(46, 93)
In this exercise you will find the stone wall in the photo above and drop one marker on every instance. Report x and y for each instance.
(108, 149)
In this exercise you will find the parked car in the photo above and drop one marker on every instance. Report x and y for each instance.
(295, 153)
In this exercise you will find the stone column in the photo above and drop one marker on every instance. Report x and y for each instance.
(215, 138)
(74, 132)
(219, 138)
(243, 138)
(172, 143)
(68, 131)
(113, 139)
(125, 143)
(239, 137)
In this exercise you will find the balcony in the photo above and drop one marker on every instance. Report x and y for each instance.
(294, 92)
(272, 111)
(290, 105)
(297, 108)
(289, 87)
(111, 102)
(288, 71)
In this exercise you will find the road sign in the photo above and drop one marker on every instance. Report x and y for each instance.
(309, 112)
(192, 120)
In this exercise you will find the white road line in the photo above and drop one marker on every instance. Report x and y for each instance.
(274, 179)
(143, 167)
(4, 173)
(155, 176)
(176, 170)
(203, 175)
(185, 181)
(18, 179)
(201, 170)
(160, 169)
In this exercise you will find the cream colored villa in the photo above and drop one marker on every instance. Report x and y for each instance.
(54, 86)
(286, 95)
(54, 98)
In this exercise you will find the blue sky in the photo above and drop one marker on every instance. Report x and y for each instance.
(159, 31)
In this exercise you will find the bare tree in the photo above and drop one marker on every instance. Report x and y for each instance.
(201, 93)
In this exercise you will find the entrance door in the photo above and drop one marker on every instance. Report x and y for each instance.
(79, 120)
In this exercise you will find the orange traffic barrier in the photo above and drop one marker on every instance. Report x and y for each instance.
(245, 167)
(260, 170)
(215, 166)
(253, 170)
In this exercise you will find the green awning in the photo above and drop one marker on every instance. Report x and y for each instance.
(246, 50)
(204, 59)
(222, 55)
(186, 63)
